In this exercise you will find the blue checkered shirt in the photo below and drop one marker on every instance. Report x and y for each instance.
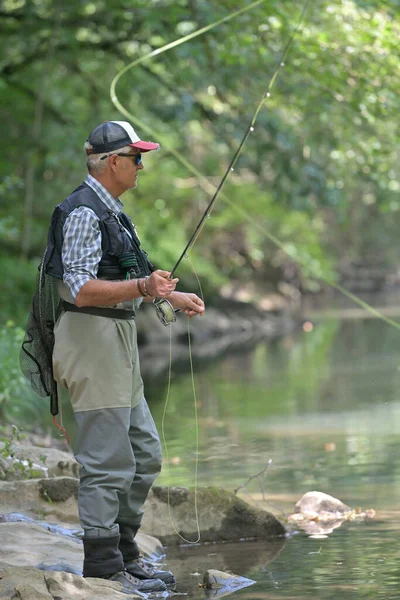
(81, 251)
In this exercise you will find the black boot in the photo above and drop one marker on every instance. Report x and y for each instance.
(133, 585)
(143, 569)
(102, 557)
(135, 564)
(127, 545)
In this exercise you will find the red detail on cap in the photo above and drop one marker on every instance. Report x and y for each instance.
(89, 151)
(145, 146)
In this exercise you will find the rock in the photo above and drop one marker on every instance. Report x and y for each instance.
(27, 497)
(222, 515)
(25, 583)
(59, 489)
(50, 461)
(53, 547)
(219, 583)
(29, 544)
(318, 514)
(149, 546)
(317, 503)
(15, 469)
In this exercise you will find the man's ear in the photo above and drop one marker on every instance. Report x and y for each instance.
(112, 161)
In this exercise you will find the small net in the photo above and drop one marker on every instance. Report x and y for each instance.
(37, 348)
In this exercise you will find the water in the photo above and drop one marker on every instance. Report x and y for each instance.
(324, 407)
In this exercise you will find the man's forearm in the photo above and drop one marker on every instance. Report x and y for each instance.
(98, 292)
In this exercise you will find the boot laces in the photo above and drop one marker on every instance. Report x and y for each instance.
(131, 578)
(145, 566)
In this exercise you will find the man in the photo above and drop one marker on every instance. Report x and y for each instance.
(103, 274)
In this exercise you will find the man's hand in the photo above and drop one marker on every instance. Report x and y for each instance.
(159, 285)
(190, 304)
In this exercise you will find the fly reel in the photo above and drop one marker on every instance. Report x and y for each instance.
(165, 311)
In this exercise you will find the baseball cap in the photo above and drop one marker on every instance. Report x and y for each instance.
(112, 135)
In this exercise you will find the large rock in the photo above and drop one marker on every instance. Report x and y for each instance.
(46, 461)
(52, 547)
(222, 516)
(52, 498)
(25, 583)
(34, 462)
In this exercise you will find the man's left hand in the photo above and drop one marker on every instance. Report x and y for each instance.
(188, 303)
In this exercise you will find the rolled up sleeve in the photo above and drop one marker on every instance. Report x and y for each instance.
(81, 251)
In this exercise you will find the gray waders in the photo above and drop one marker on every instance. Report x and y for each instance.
(117, 444)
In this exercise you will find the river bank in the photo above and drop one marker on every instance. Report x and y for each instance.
(223, 328)
(40, 536)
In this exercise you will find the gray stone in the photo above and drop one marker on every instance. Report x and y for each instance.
(49, 461)
(222, 516)
(26, 583)
(52, 547)
(219, 583)
(25, 497)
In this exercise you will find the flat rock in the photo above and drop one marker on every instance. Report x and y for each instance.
(54, 548)
(25, 583)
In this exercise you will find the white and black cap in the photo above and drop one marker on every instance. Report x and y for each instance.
(112, 135)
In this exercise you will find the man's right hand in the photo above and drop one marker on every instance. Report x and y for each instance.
(159, 285)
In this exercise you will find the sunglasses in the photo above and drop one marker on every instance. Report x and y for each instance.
(137, 158)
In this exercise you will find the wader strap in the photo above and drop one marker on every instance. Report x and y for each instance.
(111, 313)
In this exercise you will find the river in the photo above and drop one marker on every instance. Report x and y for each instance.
(321, 408)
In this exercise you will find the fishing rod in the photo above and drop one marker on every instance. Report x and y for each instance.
(208, 187)
(164, 309)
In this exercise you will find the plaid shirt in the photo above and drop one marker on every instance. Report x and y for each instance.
(81, 251)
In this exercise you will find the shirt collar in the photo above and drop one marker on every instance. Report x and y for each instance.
(112, 203)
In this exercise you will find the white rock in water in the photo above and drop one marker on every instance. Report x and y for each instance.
(315, 503)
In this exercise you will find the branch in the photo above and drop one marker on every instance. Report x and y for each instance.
(269, 463)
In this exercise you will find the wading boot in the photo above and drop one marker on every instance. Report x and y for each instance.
(102, 556)
(132, 585)
(135, 564)
(143, 569)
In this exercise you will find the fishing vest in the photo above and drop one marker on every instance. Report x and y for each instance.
(121, 252)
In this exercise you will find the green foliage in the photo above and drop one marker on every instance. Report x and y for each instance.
(320, 172)
(17, 401)
(16, 468)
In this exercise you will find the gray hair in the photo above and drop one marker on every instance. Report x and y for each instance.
(93, 162)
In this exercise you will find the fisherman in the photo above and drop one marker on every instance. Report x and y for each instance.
(104, 275)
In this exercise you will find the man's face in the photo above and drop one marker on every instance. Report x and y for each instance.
(128, 166)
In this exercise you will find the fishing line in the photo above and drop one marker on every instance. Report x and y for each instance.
(210, 189)
(196, 464)
(197, 438)
(166, 47)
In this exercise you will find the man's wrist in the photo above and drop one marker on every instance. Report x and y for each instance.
(141, 289)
